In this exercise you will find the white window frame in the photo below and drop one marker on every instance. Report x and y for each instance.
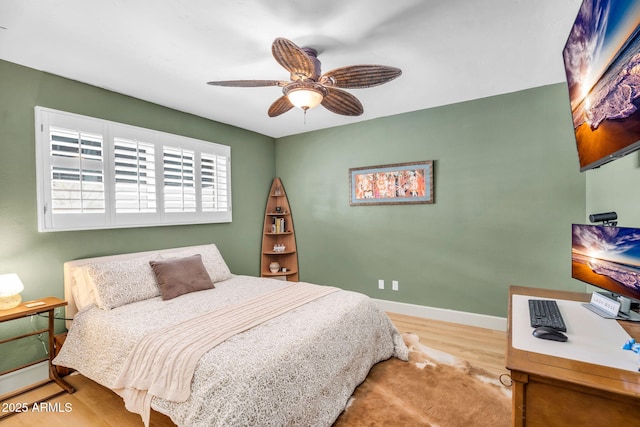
(216, 195)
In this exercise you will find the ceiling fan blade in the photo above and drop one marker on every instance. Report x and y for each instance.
(248, 83)
(280, 106)
(294, 59)
(341, 102)
(360, 76)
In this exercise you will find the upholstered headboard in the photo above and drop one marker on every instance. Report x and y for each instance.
(72, 293)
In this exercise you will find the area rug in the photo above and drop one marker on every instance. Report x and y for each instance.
(432, 389)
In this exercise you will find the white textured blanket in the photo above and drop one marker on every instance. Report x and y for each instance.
(163, 362)
(297, 369)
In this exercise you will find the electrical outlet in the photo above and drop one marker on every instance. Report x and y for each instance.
(380, 284)
(394, 285)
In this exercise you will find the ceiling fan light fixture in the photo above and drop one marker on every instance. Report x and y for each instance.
(309, 88)
(305, 99)
(305, 95)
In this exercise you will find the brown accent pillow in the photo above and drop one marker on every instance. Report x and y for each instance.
(180, 276)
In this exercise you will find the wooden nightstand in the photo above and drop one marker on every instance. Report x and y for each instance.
(31, 308)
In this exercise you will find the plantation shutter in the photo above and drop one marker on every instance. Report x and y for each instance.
(179, 180)
(71, 172)
(77, 172)
(135, 175)
(213, 169)
(93, 173)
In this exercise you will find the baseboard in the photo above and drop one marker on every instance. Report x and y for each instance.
(23, 377)
(462, 317)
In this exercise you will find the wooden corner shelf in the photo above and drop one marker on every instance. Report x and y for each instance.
(280, 273)
(278, 231)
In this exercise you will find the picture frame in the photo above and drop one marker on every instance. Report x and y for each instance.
(393, 184)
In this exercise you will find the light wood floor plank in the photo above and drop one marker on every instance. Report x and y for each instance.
(480, 346)
(95, 406)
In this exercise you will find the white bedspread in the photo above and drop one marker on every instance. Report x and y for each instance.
(296, 369)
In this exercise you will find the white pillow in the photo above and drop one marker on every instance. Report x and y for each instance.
(115, 283)
(118, 283)
(211, 258)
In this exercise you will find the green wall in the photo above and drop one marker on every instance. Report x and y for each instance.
(507, 188)
(38, 257)
(615, 186)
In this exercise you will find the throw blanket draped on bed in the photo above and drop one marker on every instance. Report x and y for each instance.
(163, 362)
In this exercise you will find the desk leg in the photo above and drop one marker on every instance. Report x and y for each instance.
(518, 398)
(53, 373)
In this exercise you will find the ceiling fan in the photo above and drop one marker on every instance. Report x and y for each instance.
(308, 88)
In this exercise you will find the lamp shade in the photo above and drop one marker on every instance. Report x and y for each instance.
(305, 99)
(10, 288)
(305, 95)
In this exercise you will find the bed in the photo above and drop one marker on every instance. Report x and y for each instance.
(259, 360)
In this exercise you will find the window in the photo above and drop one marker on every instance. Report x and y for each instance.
(95, 174)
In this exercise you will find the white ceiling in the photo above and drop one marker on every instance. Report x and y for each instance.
(164, 51)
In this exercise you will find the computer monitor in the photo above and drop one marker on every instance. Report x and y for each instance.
(607, 257)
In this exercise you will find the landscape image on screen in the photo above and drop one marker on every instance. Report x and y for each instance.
(607, 257)
(602, 64)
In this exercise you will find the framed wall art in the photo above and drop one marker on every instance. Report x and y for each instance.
(395, 184)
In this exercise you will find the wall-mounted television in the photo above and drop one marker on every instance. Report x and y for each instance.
(607, 257)
(602, 64)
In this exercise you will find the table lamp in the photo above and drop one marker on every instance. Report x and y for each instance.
(10, 288)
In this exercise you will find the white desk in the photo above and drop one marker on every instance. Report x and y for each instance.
(592, 339)
(571, 383)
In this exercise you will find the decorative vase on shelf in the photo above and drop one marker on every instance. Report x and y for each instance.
(274, 267)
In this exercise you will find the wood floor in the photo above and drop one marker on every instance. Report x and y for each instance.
(93, 405)
(480, 346)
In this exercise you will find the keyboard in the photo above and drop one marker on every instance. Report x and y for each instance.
(544, 312)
